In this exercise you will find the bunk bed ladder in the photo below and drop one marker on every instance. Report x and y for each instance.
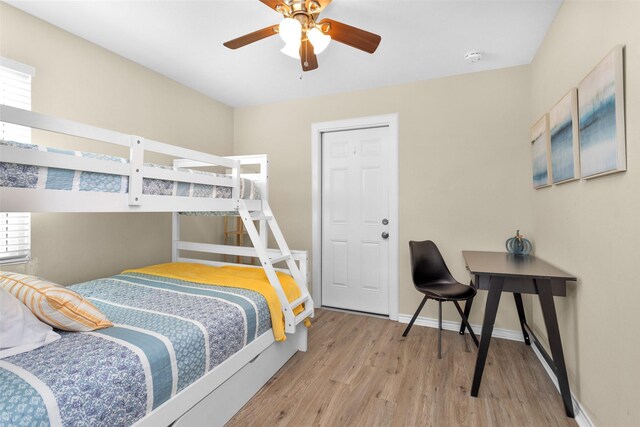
(291, 320)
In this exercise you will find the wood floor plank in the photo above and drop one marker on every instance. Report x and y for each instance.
(360, 371)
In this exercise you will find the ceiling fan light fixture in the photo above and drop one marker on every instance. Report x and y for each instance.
(292, 49)
(290, 30)
(318, 39)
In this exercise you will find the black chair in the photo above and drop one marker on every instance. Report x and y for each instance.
(432, 277)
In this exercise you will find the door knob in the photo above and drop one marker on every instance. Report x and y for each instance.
(385, 235)
(385, 221)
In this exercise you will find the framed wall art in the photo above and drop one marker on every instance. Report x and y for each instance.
(601, 110)
(541, 159)
(565, 148)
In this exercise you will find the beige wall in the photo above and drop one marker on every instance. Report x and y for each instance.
(592, 228)
(464, 171)
(80, 81)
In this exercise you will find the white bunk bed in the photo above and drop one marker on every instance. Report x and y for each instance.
(218, 395)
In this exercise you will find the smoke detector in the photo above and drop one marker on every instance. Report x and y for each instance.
(472, 57)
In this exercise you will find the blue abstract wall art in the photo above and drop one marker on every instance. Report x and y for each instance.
(601, 110)
(540, 153)
(565, 150)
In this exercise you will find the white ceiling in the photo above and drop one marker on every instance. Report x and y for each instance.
(420, 40)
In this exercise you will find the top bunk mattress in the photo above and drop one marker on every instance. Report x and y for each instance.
(30, 176)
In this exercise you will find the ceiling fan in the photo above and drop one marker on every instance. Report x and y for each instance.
(304, 35)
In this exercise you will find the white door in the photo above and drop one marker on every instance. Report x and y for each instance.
(355, 207)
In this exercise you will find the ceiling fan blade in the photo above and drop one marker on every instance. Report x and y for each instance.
(352, 36)
(252, 37)
(308, 58)
(273, 4)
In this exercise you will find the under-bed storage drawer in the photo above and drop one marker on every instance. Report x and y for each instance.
(225, 401)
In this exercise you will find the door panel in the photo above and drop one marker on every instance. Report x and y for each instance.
(339, 149)
(339, 198)
(370, 178)
(370, 274)
(339, 253)
(355, 199)
(370, 147)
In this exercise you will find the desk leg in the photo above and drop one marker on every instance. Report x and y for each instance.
(490, 311)
(521, 315)
(551, 322)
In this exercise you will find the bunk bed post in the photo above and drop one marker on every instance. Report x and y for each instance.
(235, 174)
(136, 161)
(304, 269)
(264, 176)
(264, 232)
(175, 236)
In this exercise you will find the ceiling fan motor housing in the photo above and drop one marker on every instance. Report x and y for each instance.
(303, 12)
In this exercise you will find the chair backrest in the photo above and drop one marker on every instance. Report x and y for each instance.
(427, 264)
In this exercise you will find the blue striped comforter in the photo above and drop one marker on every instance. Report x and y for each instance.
(167, 333)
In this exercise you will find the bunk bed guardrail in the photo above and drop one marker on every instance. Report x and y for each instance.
(136, 170)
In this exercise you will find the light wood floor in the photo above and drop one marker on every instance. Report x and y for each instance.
(359, 371)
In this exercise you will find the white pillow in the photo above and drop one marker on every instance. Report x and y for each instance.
(20, 329)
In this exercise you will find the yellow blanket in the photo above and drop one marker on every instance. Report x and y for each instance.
(254, 279)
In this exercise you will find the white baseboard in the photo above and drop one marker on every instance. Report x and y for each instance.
(582, 419)
(448, 325)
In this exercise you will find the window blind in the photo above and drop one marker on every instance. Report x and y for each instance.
(15, 237)
(15, 227)
(15, 91)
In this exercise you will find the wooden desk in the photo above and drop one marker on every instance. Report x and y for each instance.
(499, 272)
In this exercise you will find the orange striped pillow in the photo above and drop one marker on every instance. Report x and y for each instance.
(59, 307)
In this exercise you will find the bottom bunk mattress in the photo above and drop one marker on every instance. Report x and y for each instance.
(166, 334)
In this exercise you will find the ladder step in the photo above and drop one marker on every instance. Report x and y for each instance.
(259, 216)
(299, 301)
(306, 313)
(280, 258)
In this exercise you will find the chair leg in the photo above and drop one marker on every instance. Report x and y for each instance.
(440, 330)
(465, 322)
(467, 312)
(415, 316)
